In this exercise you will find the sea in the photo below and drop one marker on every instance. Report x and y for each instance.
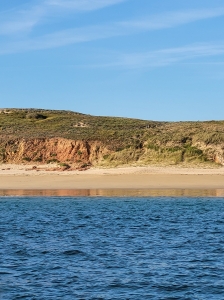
(106, 247)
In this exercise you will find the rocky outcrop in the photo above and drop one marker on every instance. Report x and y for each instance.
(53, 150)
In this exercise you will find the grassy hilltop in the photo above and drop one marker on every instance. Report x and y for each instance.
(126, 141)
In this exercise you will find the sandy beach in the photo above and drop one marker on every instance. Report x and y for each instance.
(42, 177)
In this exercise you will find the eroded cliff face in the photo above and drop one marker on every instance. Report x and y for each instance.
(53, 150)
(86, 153)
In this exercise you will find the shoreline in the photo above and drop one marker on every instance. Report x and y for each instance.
(113, 193)
(24, 177)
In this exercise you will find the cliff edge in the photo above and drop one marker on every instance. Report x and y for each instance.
(75, 139)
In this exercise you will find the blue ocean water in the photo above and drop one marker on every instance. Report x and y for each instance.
(111, 248)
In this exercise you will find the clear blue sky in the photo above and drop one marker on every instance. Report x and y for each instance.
(147, 59)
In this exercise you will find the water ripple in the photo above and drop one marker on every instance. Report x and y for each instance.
(112, 248)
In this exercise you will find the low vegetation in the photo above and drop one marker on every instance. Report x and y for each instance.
(127, 140)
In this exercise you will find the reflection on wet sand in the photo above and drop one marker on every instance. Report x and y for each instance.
(116, 192)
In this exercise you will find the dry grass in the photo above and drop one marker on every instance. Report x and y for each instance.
(130, 140)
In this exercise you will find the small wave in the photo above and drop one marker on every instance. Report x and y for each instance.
(5, 273)
(73, 252)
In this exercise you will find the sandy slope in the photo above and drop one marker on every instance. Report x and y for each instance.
(50, 169)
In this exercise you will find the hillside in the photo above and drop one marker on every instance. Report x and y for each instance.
(75, 139)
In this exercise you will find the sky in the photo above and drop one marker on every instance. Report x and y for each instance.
(157, 60)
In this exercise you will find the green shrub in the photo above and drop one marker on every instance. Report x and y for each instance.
(52, 161)
(153, 147)
(27, 158)
(38, 159)
(193, 151)
(64, 165)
